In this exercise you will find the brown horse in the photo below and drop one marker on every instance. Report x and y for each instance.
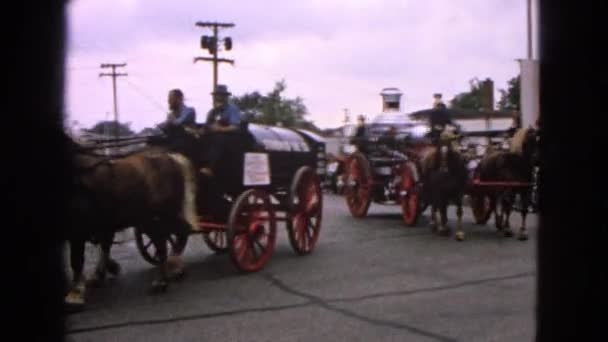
(444, 180)
(151, 189)
(515, 165)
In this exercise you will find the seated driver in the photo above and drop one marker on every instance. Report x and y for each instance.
(438, 120)
(181, 118)
(222, 120)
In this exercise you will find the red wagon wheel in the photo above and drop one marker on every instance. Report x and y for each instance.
(482, 206)
(148, 250)
(409, 195)
(252, 230)
(216, 240)
(358, 188)
(305, 211)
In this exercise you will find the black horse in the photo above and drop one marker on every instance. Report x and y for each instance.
(515, 165)
(444, 175)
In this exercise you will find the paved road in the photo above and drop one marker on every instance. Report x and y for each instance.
(367, 280)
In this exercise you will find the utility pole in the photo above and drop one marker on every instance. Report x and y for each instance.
(530, 50)
(210, 43)
(529, 73)
(114, 74)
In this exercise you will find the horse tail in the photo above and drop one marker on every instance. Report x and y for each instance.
(189, 199)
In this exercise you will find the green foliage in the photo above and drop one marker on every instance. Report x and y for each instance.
(110, 128)
(510, 99)
(274, 108)
(472, 99)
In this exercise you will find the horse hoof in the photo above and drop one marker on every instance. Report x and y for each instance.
(159, 286)
(74, 301)
(522, 236)
(460, 236)
(508, 233)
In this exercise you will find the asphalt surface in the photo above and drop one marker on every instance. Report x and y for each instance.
(369, 279)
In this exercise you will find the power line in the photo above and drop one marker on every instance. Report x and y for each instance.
(146, 96)
(73, 68)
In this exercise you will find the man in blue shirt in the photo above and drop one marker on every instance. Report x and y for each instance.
(223, 120)
(180, 114)
(180, 121)
(224, 117)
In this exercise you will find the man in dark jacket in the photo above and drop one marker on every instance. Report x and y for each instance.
(223, 125)
(439, 119)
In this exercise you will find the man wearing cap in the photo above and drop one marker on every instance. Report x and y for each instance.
(222, 120)
(439, 118)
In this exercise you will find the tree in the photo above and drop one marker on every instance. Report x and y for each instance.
(110, 128)
(509, 99)
(274, 108)
(472, 99)
(249, 104)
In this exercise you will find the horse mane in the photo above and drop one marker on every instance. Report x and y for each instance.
(517, 142)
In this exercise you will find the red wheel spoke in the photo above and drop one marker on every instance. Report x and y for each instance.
(251, 228)
(241, 247)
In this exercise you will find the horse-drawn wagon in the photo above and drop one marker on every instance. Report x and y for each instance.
(269, 175)
(499, 174)
(383, 166)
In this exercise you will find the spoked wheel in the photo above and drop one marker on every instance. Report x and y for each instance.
(305, 211)
(410, 209)
(216, 240)
(148, 250)
(482, 206)
(252, 230)
(358, 189)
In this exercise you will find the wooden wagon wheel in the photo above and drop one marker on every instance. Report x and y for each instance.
(358, 190)
(483, 204)
(148, 250)
(409, 198)
(305, 211)
(252, 230)
(217, 241)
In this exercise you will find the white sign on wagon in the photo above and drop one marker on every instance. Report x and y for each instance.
(256, 169)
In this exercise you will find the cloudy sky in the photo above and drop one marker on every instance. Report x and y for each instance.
(335, 54)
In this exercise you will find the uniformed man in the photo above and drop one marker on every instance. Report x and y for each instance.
(439, 119)
(223, 120)
(360, 132)
(359, 136)
(437, 99)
